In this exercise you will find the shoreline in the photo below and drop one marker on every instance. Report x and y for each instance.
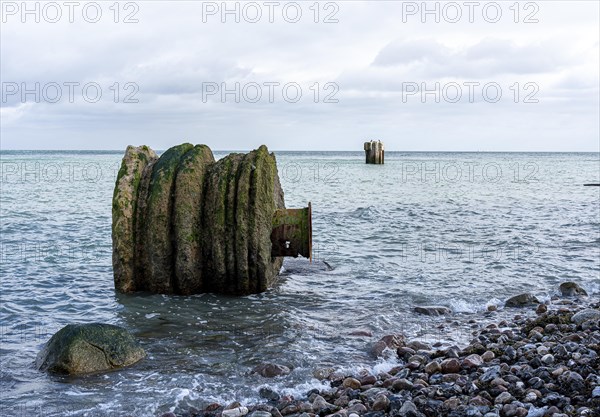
(545, 364)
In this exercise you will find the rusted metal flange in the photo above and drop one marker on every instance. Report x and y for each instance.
(292, 232)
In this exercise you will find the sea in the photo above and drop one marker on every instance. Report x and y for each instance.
(461, 230)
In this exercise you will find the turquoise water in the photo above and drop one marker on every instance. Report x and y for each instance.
(457, 229)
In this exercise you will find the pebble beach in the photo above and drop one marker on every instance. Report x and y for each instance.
(544, 362)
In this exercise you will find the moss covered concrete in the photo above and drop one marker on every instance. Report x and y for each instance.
(205, 226)
(187, 217)
(124, 206)
(158, 249)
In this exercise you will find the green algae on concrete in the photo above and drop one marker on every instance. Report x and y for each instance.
(267, 196)
(140, 267)
(203, 226)
(187, 217)
(158, 243)
(231, 223)
(243, 224)
(123, 213)
(213, 219)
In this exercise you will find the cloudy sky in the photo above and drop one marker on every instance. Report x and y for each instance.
(448, 76)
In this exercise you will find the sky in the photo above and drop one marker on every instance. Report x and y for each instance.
(306, 75)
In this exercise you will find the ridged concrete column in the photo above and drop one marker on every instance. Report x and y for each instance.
(185, 224)
(374, 152)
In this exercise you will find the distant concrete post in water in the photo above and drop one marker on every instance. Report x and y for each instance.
(374, 152)
(187, 224)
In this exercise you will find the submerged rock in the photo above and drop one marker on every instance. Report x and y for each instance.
(85, 348)
(571, 289)
(271, 370)
(269, 394)
(298, 266)
(522, 300)
(432, 310)
(391, 341)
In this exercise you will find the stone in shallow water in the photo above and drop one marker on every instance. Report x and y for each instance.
(361, 333)
(269, 394)
(271, 370)
(432, 310)
(323, 373)
(418, 345)
(351, 383)
(85, 348)
(391, 341)
(571, 289)
(321, 406)
(299, 266)
(522, 300)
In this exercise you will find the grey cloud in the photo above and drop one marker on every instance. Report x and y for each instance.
(489, 57)
(170, 53)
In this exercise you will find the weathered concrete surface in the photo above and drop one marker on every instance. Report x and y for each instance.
(217, 218)
(124, 206)
(245, 223)
(374, 152)
(266, 196)
(158, 242)
(187, 215)
(84, 348)
(140, 267)
(242, 193)
(203, 226)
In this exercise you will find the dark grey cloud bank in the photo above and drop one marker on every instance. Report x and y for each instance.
(369, 69)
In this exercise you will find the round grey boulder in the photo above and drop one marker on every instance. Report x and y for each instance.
(85, 348)
(586, 315)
